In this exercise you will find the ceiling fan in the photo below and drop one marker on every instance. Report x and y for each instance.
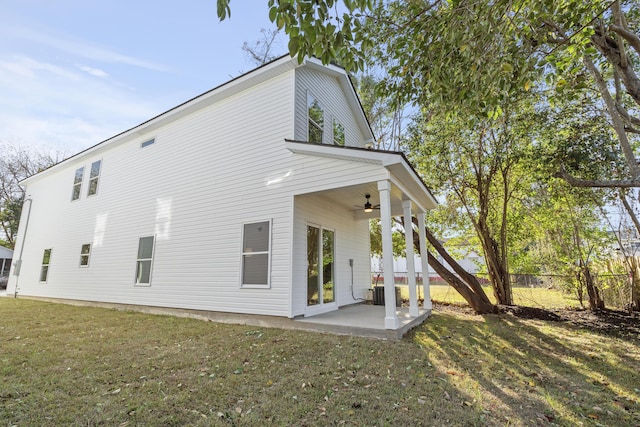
(368, 207)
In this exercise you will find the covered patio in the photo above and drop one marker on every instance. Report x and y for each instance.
(387, 187)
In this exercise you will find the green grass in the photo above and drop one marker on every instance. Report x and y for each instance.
(531, 297)
(69, 365)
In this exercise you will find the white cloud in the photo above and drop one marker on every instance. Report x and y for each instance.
(46, 104)
(96, 72)
(65, 43)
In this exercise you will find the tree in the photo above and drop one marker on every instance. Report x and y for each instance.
(484, 51)
(263, 50)
(16, 164)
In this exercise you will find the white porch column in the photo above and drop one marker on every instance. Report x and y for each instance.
(424, 261)
(411, 267)
(391, 319)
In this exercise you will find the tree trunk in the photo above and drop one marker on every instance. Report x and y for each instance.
(465, 283)
(496, 267)
(474, 300)
(595, 302)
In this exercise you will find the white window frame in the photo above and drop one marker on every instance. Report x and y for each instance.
(94, 178)
(311, 122)
(77, 184)
(85, 255)
(335, 122)
(47, 265)
(139, 260)
(267, 252)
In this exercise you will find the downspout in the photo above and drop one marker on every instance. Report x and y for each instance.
(18, 263)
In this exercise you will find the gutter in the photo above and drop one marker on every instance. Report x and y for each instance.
(18, 264)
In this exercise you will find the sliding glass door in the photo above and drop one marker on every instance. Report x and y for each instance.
(320, 266)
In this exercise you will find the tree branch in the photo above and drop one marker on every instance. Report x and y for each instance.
(629, 36)
(596, 183)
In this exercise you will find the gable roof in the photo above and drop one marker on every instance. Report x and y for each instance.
(236, 85)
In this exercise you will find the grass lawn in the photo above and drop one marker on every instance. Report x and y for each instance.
(531, 297)
(68, 365)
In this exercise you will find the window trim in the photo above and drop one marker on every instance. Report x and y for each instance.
(77, 184)
(153, 253)
(47, 265)
(95, 178)
(267, 252)
(311, 122)
(87, 255)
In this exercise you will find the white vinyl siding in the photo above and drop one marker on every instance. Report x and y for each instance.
(194, 191)
(218, 166)
(331, 97)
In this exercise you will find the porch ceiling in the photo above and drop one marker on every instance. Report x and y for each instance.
(352, 198)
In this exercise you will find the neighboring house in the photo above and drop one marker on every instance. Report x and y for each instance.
(239, 200)
(6, 255)
(471, 263)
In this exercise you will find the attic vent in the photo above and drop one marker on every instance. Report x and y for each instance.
(147, 143)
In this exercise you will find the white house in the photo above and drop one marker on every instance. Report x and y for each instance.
(239, 200)
(6, 255)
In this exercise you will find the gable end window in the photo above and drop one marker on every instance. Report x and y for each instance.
(77, 184)
(94, 175)
(85, 253)
(46, 260)
(256, 254)
(316, 120)
(145, 260)
(338, 133)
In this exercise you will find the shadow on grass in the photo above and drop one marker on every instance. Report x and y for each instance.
(534, 372)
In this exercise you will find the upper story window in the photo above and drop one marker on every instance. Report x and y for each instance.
(85, 253)
(147, 143)
(338, 133)
(93, 178)
(77, 184)
(316, 120)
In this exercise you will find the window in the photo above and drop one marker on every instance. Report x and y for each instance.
(85, 252)
(147, 143)
(316, 120)
(44, 270)
(145, 258)
(93, 178)
(256, 246)
(77, 184)
(338, 133)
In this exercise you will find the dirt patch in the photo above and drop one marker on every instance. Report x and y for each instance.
(609, 322)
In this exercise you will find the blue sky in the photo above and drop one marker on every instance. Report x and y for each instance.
(76, 72)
